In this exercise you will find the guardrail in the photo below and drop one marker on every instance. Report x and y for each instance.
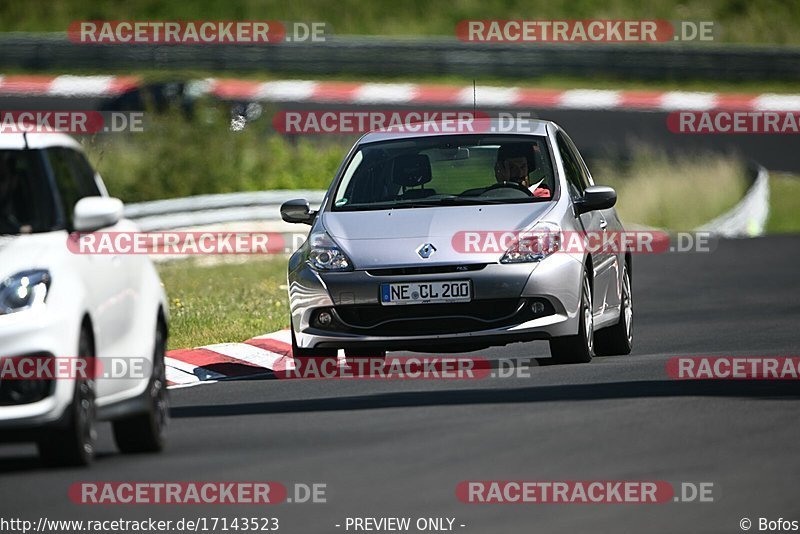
(203, 210)
(748, 217)
(371, 55)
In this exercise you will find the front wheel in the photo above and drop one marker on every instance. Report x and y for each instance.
(74, 444)
(580, 347)
(146, 432)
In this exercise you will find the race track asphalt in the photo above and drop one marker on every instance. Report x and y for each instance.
(399, 448)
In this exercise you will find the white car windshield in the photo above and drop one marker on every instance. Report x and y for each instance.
(455, 170)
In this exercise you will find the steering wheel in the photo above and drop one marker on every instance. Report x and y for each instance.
(511, 185)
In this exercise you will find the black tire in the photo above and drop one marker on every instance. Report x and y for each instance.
(618, 339)
(74, 443)
(146, 432)
(580, 347)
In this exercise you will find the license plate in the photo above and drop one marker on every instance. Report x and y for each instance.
(426, 292)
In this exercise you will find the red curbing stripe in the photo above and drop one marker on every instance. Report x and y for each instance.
(26, 84)
(436, 94)
(736, 102)
(335, 92)
(123, 84)
(641, 99)
(214, 361)
(272, 345)
(546, 98)
(235, 88)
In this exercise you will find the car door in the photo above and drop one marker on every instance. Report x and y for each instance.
(594, 223)
(102, 275)
(131, 342)
(614, 259)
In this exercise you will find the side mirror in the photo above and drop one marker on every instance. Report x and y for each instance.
(94, 213)
(596, 197)
(297, 211)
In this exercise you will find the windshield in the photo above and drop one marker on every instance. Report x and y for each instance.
(446, 171)
(26, 204)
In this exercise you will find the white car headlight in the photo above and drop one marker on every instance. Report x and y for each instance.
(325, 255)
(534, 245)
(24, 291)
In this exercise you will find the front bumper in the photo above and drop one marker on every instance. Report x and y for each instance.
(42, 332)
(555, 281)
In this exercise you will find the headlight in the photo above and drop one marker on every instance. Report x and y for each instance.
(23, 291)
(535, 244)
(325, 255)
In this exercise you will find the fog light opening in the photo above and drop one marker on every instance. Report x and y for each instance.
(324, 318)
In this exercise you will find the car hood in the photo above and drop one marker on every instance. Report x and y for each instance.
(19, 253)
(391, 238)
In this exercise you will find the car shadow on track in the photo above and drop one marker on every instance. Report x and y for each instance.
(19, 463)
(789, 390)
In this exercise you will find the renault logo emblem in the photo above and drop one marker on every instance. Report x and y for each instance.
(426, 250)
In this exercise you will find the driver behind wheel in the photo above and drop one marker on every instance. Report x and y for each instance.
(515, 163)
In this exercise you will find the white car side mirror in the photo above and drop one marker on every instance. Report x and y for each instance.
(93, 213)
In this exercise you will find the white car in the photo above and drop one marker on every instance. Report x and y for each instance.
(55, 303)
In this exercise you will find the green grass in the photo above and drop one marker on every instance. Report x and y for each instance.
(739, 21)
(177, 156)
(677, 193)
(225, 302)
(784, 196)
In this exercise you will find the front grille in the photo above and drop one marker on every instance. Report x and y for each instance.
(432, 319)
(427, 269)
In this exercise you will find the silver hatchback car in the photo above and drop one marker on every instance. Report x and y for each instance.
(434, 242)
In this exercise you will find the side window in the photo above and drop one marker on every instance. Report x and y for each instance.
(84, 174)
(572, 168)
(74, 178)
(585, 175)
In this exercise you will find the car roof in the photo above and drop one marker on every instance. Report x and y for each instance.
(16, 141)
(481, 126)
